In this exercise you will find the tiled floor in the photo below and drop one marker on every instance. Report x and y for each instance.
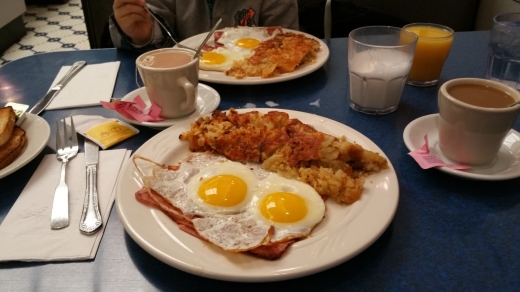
(50, 28)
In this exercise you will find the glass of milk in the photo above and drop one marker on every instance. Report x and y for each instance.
(379, 60)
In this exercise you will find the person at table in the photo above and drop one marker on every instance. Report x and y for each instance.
(132, 27)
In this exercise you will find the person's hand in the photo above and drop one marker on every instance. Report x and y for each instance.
(134, 20)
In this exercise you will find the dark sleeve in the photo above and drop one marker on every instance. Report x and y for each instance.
(283, 13)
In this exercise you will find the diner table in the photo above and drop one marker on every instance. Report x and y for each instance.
(448, 233)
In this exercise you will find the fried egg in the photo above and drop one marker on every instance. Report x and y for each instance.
(292, 207)
(220, 59)
(243, 39)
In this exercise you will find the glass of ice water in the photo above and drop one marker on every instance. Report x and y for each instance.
(379, 60)
(504, 50)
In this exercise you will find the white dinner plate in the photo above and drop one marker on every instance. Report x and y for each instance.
(37, 132)
(221, 77)
(345, 231)
(208, 100)
(505, 166)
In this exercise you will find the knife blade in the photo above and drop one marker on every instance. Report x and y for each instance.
(91, 217)
(46, 100)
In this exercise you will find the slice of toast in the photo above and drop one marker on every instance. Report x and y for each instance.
(7, 121)
(14, 146)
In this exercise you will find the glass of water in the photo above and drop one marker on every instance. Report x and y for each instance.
(379, 60)
(504, 50)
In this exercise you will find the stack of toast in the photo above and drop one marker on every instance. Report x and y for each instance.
(12, 137)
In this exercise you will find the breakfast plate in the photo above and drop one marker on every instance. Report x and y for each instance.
(345, 231)
(37, 131)
(221, 77)
(505, 166)
(208, 100)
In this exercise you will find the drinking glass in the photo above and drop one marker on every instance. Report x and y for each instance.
(504, 50)
(379, 59)
(433, 48)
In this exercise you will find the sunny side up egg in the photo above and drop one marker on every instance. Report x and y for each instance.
(243, 39)
(220, 59)
(234, 206)
(292, 207)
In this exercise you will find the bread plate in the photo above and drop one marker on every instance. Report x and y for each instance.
(345, 231)
(37, 132)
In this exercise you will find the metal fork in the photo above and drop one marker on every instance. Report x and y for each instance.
(66, 149)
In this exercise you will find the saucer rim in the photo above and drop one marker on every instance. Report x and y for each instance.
(464, 174)
(170, 122)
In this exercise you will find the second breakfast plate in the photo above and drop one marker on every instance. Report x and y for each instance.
(37, 131)
(345, 231)
(221, 77)
(505, 166)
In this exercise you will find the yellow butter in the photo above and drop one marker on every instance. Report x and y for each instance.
(110, 133)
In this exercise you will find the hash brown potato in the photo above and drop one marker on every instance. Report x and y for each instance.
(333, 166)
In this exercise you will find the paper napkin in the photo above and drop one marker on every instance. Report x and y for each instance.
(25, 233)
(92, 84)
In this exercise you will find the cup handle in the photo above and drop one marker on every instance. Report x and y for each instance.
(190, 93)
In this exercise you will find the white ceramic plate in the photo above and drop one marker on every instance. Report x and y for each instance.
(345, 231)
(505, 166)
(221, 77)
(208, 100)
(37, 131)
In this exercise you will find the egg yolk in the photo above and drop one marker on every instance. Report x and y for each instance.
(223, 190)
(283, 207)
(212, 58)
(247, 43)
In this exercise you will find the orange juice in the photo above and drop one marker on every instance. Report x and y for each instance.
(432, 50)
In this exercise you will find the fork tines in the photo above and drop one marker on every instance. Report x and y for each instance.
(62, 138)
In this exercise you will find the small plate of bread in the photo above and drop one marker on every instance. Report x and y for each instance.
(20, 141)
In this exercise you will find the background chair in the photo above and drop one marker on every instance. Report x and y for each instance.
(96, 14)
(327, 25)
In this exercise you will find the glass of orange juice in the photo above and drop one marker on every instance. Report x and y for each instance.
(433, 48)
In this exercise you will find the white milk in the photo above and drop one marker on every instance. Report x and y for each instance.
(377, 78)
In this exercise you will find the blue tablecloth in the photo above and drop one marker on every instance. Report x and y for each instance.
(447, 233)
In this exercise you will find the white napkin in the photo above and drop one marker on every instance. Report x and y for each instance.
(26, 234)
(91, 84)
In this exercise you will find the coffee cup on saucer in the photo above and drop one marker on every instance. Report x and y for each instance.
(474, 118)
(171, 77)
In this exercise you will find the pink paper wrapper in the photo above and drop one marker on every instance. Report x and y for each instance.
(135, 110)
(426, 160)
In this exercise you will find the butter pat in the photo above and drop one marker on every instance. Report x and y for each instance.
(110, 133)
(105, 132)
(19, 110)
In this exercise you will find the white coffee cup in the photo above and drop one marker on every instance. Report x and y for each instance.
(472, 134)
(171, 78)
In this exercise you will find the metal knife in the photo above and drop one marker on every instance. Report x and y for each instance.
(44, 101)
(91, 217)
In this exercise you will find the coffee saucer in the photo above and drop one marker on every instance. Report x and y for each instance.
(208, 100)
(505, 166)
